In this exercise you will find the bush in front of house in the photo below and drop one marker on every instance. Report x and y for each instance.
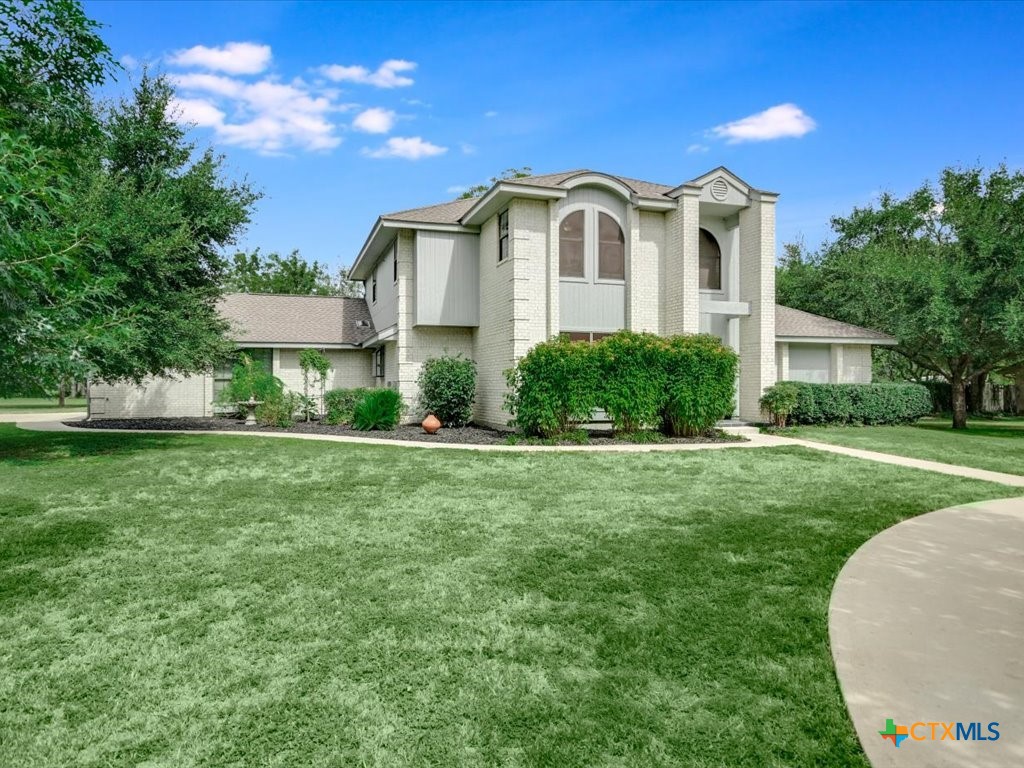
(447, 387)
(553, 388)
(700, 376)
(881, 403)
(779, 400)
(379, 409)
(684, 384)
(279, 410)
(631, 369)
(339, 404)
(250, 380)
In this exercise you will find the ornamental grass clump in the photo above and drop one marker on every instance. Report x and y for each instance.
(380, 409)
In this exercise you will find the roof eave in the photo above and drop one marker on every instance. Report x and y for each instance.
(498, 195)
(884, 342)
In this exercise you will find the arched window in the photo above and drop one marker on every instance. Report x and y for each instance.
(570, 245)
(611, 249)
(710, 262)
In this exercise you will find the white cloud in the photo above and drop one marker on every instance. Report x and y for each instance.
(199, 111)
(778, 122)
(490, 113)
(266, 116)
(129, 62)
(458, 189)
(467, 149)
(374, 120)
(697, 149)
(386, 75)
(233, 58)
(412, 148)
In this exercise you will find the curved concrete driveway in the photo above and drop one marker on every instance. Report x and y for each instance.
(927, 625)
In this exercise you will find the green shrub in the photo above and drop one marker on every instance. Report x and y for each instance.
(553, 388)
(339, 404)
(779, 400)
(378, 409)
(881, 403)
(447, 389)
(250, 380)
(632, 374)
(279, 410)
(700, 384)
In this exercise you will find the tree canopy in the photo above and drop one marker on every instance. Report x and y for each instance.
(112, 225)
(941, 269)
(255, 273)
(508, 174)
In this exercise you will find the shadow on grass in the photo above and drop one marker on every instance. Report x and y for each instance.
(1010, 430)
(20, 446)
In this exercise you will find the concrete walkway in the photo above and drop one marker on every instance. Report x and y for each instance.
(927, 626)
(905, 461)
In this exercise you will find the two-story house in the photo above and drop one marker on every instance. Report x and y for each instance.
(579, 253)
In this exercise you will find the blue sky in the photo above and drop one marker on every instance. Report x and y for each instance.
(341, 112)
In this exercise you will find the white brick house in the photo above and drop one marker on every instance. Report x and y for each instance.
(579, 253)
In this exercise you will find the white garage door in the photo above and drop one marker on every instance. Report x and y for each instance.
(809, 362)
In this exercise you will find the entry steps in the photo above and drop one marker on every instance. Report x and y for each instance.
(738, 427)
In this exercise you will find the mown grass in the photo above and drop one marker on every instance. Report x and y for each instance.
(993, 444)
(194, 600)
(30, 404)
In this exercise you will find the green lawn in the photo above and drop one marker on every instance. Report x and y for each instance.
(997, 445)
(29, 404)
(181, 600)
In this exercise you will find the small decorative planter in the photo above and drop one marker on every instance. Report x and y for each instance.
(431, 424)
(250, 410)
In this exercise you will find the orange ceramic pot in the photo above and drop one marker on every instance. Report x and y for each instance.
(431, 424)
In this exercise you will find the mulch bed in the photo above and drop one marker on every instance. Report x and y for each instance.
(469, 435)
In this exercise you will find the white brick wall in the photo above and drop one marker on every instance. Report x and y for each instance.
(154, 398)
(645, 287)
(351, 368)
(681, 294)
(492, 348)
(757, 286)
(856, 363)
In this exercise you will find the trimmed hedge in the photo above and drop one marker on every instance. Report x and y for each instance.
(683, 384)
(859, 403)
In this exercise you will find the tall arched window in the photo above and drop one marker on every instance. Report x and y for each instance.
(570, 245)
(591, 244)
(710, 262)
(611, 249)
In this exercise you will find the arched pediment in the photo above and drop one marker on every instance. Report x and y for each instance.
(594, 179)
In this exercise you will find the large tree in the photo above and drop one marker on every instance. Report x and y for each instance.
(111, 225)
(509, 174)
(942, 270)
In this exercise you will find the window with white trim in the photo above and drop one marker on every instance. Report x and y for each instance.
(378, 363)
(710, 262)
(503, 235)
(591, 245)
(394, 262)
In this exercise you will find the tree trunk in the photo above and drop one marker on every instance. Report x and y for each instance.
(976, 393)
(60, 395)
(957, 385)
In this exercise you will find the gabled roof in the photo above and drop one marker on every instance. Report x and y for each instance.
(442, 213)
(798, 325)
(272, 319)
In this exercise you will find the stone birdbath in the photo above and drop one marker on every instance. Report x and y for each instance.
(250, 410)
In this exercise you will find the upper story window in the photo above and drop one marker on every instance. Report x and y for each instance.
(570, 246)
(373, 287)
(589, 242)
(394, 262)
(611, 249)
(503, 235)
(710, 262)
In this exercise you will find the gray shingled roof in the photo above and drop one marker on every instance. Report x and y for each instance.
(267, 318)
(451, 212)
(797, 323)
(442, 213)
